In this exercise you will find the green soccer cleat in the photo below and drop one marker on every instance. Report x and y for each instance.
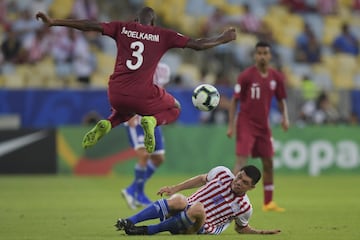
(97, 132)
(148, 123)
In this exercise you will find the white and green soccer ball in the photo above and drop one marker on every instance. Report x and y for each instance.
(206, 97)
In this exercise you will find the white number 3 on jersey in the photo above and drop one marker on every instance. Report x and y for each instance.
(138, 48)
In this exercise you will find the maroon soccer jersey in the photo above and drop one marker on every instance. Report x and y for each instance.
(140, 47)
(255, 94)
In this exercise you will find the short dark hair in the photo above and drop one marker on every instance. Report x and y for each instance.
(262, 44)
(146, 15)
(253, 172)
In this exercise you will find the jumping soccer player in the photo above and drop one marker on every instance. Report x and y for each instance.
(131, 89)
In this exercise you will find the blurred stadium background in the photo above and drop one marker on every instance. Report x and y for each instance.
(53, 89)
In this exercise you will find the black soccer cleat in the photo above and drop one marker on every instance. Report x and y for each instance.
(134, 230)
(123, 224)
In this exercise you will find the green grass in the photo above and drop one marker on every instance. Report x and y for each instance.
(60, 207)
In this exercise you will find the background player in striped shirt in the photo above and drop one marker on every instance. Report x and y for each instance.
(254, 90)
(147, 163)
(220, 199)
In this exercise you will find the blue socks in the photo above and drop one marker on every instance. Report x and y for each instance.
(139, 179)
(150, 169)
(158, 209)
(141, 176)
(176, 224)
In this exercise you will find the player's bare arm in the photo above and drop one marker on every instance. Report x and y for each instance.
(204, 43)
(83, 25)
(285, 123)
(193, 182)
(249, 230)
(232, 109)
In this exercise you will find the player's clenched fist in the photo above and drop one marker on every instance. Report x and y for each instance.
(43, 17)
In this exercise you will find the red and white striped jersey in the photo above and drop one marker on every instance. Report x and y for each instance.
(220, 203)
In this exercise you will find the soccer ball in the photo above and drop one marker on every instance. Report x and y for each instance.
(205, 97)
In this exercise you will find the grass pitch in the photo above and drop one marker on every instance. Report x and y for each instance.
(63, 207)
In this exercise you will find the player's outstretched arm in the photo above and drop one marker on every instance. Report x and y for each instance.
(83, 25)
(193, 182)
(250, 230)
(205, 43)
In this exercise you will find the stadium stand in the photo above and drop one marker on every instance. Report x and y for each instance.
(335, 73)
(61, 8)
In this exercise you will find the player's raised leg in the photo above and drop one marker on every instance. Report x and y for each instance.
(96, 133)
(148, 123)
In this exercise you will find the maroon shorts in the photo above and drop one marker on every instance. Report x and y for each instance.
(125, 106)
(251, 142)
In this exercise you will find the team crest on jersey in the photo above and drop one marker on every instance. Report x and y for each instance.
(272, 84)
(237, 88)
(218, 199)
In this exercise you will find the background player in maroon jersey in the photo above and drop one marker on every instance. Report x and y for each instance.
(254, 90)
(147, 163)
(131, 89)
(220, 199)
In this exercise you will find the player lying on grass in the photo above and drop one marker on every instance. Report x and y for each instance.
(220, 199)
